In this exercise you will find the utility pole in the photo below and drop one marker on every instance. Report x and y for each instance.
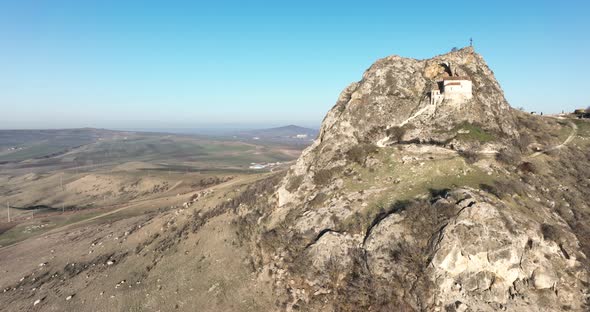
(8, 207)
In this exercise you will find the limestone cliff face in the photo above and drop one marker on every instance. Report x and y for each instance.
(408, 204)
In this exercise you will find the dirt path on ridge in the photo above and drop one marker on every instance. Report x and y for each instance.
(564, 143)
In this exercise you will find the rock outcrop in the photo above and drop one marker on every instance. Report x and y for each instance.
(391, 103)
(408, 204)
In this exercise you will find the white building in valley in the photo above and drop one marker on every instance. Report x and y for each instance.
(452, 88)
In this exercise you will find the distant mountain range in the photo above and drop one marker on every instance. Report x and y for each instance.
(285, 132)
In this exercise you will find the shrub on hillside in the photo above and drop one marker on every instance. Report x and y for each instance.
(359, 152)
(508, 156)
(492, 189)
(324, 176)
(504, 188)
(550, 232)
(470, 155)
(374, 134)
(396, 133)
(527, 167)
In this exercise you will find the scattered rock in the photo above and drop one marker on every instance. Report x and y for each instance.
(543, 278)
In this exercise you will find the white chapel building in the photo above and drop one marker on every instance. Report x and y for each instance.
(456, 88)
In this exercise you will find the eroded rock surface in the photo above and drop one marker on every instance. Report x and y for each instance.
(405, 204)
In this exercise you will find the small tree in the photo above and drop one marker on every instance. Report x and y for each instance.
(454, 49)
(396, 133)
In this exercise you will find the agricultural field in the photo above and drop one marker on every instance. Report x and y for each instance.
(53, 178)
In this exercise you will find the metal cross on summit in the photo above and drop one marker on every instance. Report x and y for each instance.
(471, 42)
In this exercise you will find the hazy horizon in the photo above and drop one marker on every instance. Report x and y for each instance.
(132, 64)
(174, 127)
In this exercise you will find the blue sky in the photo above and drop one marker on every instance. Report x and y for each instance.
(177, 64)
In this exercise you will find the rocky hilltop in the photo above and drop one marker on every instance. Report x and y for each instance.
(409, 203)
(392, 103)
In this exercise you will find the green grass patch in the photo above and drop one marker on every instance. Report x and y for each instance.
(415, 179)
(583, 127)
(472, 133)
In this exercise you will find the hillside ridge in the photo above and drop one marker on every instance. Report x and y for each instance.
(420, 178)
